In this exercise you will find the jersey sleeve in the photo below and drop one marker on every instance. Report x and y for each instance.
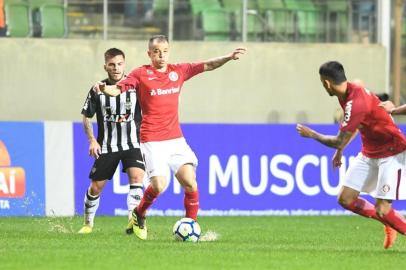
(89, 108)
(191, 69)
(130, 82)
(354, 114)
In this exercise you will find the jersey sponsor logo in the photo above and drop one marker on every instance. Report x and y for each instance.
(160, 92)
(128, 104)
(118, 118)
(12, 179)
(173, 76)
(152, 78)
(347, 113)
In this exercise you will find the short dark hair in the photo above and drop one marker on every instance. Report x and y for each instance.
(334, 71)
(159, 38)
(112, 52)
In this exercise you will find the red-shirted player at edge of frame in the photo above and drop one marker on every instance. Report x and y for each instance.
(158, 86)
(379, 169)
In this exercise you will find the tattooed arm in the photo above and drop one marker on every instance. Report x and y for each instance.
(94, 147)
(339, 142)
(217, 62)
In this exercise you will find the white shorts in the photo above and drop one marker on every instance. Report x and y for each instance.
(173, 153)
(382, 178)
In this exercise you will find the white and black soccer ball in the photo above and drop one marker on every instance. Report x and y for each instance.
(186, 229)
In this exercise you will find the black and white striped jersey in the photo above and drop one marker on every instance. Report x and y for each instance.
(118, 119)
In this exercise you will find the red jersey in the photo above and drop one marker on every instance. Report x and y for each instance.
(158, 95)
(379, 134)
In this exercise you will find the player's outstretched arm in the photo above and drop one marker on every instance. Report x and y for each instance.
(110, 90)
(340, 141)
(94, 146)
(392, 109)
(217, 62)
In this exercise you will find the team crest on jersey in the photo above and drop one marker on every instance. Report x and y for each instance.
(150, 72)
(386, 188)
(173, 76)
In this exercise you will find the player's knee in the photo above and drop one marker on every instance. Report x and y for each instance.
(190, 186)
(158, 186)
(137, 179)
(95, 190)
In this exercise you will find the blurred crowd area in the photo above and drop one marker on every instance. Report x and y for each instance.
(315, 21)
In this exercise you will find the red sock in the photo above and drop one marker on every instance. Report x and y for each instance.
(191, 202)
(364, 208)
(395, 220)
(147, 200)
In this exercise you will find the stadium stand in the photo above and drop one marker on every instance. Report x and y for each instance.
(279, 20)
(18, 18)
(160, 6)
(2, 19)
(254, 21)
(198, 6)
(53, 21)
(337, 20)
(308, 20)
(267, 20)
(216, 24)
(49, 18)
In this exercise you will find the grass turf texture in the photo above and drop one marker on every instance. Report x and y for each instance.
(345, 242)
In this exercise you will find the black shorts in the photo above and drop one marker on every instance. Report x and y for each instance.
(105, 166)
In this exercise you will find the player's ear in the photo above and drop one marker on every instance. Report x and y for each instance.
(327, 83)
(105, 68)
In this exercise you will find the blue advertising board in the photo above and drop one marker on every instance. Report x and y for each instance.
(22, 172)
(244, 169)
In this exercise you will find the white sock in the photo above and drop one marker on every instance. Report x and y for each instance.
(134, 197)
(91, 203)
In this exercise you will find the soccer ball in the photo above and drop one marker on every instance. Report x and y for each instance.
(186, 229)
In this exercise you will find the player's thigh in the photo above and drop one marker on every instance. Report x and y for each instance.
(104, 167)
(155, 158)
(132, 158)
(181, 154)
(391, 179)
(362, 174)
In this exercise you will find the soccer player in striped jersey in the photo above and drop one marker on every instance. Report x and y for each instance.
(118, 122)
(162, 143)
(379, 169)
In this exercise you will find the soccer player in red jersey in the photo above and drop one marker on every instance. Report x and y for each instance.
(158, 86)
(380, 167)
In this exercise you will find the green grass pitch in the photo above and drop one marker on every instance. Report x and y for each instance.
(344, 242)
